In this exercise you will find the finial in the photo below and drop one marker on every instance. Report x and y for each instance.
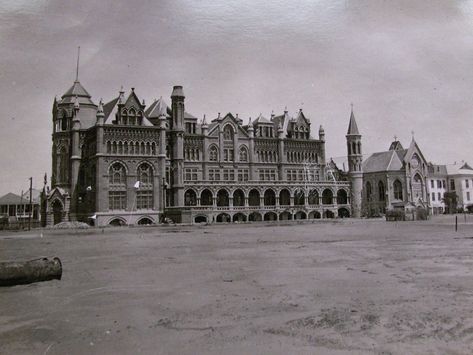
(285, 109)
(395, 138)
(121, 90)
(133, 89)
(100, 108)
(412, 133)
(204, 120)
(76, 103)
(143, 103)
(77, 67)
(351, 104)
(218, 115)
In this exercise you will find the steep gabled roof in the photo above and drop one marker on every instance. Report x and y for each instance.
(110, 107)
(382, 161)
(158, 108)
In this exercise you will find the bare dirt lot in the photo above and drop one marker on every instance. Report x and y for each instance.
(363, 287)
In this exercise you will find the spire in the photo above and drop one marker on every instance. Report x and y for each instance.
(77, 67)
(121, 97)
(352, 127)
(100, 108)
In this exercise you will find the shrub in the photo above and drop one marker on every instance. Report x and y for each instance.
(395, 215)
(422, 214)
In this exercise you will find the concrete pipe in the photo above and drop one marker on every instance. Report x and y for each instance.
(18, 273)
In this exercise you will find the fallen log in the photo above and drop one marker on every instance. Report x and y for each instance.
(18, 273)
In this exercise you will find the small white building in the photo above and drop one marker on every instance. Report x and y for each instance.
(436, 187)
(460, 181)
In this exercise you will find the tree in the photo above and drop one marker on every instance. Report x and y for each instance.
(450, 199)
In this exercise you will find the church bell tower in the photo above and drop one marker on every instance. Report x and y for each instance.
(355, 159)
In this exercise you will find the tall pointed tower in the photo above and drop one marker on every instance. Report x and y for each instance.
(177, 134)
(355, 160)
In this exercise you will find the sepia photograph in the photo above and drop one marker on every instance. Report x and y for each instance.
(236, 177)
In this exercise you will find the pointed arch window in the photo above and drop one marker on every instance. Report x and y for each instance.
(144, 194)
(369, 192)
(213, 153)
(381, 191)
(397, 187)
(117, 187)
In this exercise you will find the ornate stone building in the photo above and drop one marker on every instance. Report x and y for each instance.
(123, 163)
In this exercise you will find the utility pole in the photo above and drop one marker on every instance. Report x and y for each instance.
(31, 202)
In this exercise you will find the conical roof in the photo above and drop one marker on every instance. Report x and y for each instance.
(352, 127)
(76, 90)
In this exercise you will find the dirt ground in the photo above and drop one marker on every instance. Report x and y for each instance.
(350, 287)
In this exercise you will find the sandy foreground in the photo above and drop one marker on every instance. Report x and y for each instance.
(351, 287)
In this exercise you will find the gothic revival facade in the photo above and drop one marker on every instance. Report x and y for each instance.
(395, 179)
(125, 163)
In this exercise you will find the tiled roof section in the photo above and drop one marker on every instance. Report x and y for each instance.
(109, 106)
(260, 119)
(437, 170)
(352, 126)
(382, 161)
(158, 108)
(401, 153)
(76, 90)
(155, 108)
(466, 167)
(10, 199)
(14, 199)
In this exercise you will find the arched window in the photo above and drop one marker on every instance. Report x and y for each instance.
(369, 191)
(327, 197)
(299, 197)
(124, 120)
(132, 117)
(213, 153)
(284, 198)
(206, 198)
(190, 198)
(342, 197)
(117, 174)
(222, 198)
(269, 198)
(238, 198)
(62, 165)
(243, 154)
(254, 198)
(228, 133)
(144, 193)
(381, 191)
(117, 188)
(313, 197)
(397, 187)
(353, 148)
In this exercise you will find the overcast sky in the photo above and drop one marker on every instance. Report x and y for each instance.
(406, 66)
